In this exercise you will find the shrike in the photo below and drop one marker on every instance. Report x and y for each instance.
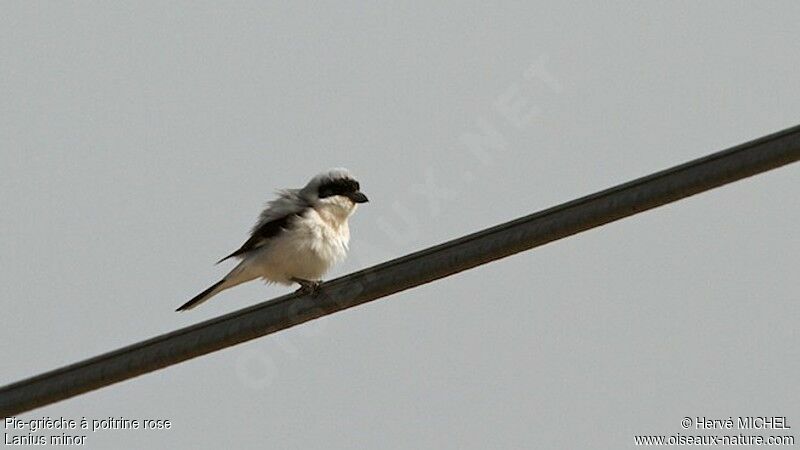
(297, 238)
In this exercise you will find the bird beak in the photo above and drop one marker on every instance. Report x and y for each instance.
(358, 197)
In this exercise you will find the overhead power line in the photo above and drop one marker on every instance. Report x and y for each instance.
(418, 268)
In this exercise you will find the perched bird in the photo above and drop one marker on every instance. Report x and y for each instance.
(297, 238)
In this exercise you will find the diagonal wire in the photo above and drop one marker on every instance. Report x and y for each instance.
(717, 169)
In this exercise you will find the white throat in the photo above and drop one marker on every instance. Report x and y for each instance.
(335, 211)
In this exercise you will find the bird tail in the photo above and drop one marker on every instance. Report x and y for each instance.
(215, 289)
(241, 273)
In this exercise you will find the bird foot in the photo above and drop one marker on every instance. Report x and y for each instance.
(310, 287)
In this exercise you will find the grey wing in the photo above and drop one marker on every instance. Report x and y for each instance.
(273, 220)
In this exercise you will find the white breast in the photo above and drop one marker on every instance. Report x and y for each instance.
(306, 250)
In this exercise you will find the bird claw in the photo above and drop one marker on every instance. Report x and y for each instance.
(309, 287)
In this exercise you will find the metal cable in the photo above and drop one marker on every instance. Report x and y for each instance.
(418, 268)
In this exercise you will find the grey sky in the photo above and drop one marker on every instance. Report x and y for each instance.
(139, 141)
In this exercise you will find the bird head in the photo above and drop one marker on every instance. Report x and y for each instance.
(335, 190)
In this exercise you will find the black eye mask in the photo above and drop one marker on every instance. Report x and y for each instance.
(340, 186)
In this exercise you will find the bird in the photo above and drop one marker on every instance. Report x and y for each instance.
(297, 237)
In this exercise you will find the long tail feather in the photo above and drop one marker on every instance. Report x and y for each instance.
(203, 296)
